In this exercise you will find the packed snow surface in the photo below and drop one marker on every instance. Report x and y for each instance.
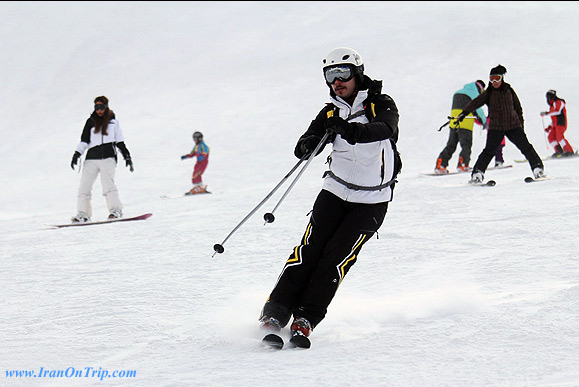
(463, 286)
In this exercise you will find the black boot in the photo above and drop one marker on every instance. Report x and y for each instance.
(558, 151)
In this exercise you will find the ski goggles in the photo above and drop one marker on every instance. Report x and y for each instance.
(342, 73)
(495, 78)
(100, 106)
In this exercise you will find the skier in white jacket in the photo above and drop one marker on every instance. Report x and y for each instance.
(364, 162)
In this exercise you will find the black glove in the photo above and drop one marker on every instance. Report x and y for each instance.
(75, 158)
(129, 163)
(461, 116)
(343, 128)
(308, 144)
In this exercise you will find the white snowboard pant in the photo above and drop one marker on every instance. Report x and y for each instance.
(90, 172)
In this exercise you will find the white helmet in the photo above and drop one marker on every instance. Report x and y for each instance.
(344, 55)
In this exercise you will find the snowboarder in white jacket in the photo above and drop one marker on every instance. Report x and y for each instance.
(101, 136)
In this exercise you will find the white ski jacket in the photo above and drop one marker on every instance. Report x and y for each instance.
(102, 146)
(362, 164)
(360, 172)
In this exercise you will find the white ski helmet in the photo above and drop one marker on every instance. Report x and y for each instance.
(345, 56)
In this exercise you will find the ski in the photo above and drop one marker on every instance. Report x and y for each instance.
(272, 341)
(186, 194)
(501, 167)
(490, 183)
(557, 157)
(441, 174)
(530, 179)
(300, 341)
(565, 156)
(457, 172)
(140, 217)
(543, 159)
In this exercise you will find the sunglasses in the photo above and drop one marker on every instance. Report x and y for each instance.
(100, 106)
(342, 73)
(495, 78)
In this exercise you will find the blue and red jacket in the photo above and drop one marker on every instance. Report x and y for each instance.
(201, 151)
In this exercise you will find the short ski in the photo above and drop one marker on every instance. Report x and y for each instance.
(272, 341)
(490, 183)
(530, 179)
(140, 217)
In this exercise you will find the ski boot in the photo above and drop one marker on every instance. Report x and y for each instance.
(477, 177)
(198, 189)
(81, 217)
(539, 173)
(115, 214)
(272, 339)
(300, 330)
(439, 169)
(462, 166)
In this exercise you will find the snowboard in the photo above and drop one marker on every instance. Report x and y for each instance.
(140, 217)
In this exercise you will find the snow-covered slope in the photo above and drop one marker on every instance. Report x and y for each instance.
(465, 286)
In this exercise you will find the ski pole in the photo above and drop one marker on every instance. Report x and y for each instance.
(219, 247)
(466, 118)
(269, 218)
(447, 123)
(454, 118)
(543, 122)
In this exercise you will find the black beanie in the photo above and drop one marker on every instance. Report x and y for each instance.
(499, 70)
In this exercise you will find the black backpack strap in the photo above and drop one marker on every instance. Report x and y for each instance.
(360, 187)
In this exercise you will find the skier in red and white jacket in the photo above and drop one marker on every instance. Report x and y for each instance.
(558, 113)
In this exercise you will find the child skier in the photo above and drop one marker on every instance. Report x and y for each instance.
(558, 113)
(201, 151)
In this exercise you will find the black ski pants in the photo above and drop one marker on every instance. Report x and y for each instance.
(516, 136)
(334, 236)
(456, 136)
